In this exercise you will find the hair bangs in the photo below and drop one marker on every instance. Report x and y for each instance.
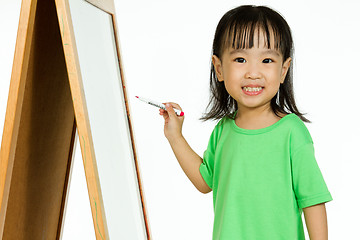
(241, 34)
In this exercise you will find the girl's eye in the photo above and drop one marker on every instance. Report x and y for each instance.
(240, 60)
(268, 60)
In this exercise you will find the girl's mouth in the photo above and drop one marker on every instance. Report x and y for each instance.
(251, 91)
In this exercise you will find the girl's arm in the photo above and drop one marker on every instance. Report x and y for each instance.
(189, 161)
(316, 222)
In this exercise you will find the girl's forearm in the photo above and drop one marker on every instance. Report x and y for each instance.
(190, 162)
(316, 222)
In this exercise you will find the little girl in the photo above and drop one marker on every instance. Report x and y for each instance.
(260, 162)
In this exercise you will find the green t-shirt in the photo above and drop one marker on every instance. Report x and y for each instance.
(261, 179)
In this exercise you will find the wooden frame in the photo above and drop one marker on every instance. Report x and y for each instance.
(45, 106)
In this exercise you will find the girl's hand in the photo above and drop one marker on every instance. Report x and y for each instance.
(173, 123)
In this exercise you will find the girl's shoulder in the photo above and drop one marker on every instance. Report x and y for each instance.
(216, 133)
(298, 130)
(224, 121)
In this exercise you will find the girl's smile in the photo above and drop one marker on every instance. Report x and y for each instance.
(252, 90)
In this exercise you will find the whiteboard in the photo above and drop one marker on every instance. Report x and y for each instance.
(99, 65)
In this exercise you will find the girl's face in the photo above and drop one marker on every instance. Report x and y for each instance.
(252, 76)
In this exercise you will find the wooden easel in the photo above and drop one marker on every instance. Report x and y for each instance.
(45, 107)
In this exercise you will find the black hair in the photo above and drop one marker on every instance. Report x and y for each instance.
(236, 29)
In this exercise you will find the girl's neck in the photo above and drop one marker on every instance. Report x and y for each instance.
(256, 118)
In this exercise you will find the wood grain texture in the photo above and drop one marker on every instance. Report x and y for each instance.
(82, 119)
(44, 135)
(14, 104)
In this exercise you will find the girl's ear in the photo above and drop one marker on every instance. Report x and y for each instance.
(218, 68)
(285, 68)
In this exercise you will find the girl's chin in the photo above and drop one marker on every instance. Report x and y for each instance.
(251, 104)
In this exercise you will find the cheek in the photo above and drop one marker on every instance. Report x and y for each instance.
(276, 75)
(229, 86)
(232, 73)
(231, 82)
(273, 88)
(232, 79)
(273, 80)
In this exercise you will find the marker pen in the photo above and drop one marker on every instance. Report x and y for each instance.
(160, 105)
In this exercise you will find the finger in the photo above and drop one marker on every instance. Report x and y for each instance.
(165, 117)
(177, 108)
(175, 105)
(161, 111)
(164, 113)
(170, 110)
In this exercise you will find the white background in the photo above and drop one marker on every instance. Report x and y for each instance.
(166, 50)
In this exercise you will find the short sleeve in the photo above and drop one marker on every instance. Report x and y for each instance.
(309, 185)
(207, 166)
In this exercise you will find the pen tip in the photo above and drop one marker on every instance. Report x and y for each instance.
(137, 96)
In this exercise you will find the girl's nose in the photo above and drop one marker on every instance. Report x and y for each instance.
(253, 72)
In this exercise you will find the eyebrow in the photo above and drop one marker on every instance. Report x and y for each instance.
(270, 51)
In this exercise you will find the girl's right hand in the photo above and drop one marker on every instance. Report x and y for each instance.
(173, 123)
